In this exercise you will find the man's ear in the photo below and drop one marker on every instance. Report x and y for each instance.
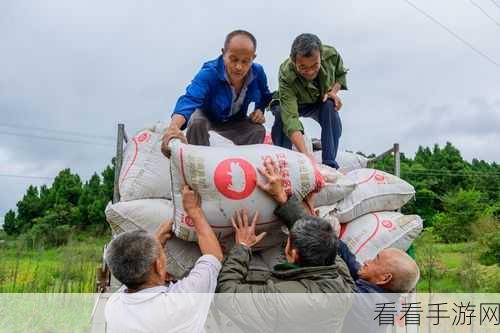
(157, 266)
(385, 279)
(222, 50)
(254, 56)
(295, 256)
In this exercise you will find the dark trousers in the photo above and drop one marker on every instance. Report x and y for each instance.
(329, 120)
(241, 132)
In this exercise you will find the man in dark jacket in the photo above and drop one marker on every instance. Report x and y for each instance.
(312, 269)
(220, 96)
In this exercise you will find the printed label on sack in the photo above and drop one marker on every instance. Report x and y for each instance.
(235, 178)
(142, 137)
(387, 224)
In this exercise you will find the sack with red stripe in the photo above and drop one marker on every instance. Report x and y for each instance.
(375, 191)
(368, 235)
(226, 178)
(337, 186)
(148, 215)
(145, 171)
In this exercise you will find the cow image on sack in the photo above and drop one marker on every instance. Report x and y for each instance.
(226, 179)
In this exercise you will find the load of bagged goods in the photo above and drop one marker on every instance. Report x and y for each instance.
(360, 202)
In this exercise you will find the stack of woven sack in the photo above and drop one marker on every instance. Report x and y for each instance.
(362, 200)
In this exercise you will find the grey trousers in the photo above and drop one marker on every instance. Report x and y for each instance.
(241, 132)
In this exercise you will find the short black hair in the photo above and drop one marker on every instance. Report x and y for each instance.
(315, 240)
(243, 33)
(305, 45)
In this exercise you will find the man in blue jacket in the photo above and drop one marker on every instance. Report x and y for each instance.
(221, 95)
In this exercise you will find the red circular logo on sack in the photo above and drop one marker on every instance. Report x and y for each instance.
(235, 178)
(188, 221)
(379, 178)
(387, 224)
(143, 137)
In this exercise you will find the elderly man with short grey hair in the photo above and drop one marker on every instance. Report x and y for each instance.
(146, 302)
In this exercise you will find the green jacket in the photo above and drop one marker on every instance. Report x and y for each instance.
(266, 298)
(294, 89)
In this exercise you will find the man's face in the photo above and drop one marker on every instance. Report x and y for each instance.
(375, 270)
(238, 58)
(308, 67)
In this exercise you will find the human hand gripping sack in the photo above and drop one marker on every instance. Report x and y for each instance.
(243, 231)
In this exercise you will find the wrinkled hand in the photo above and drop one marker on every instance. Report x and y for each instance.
(274, 185)
(171, 133)
(336, 99)
(164, 232)
(191, 201)
(244, 232)
(257, 117)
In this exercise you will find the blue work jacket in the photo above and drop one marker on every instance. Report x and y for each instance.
(211, 92)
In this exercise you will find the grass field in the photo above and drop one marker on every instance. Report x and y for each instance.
(454, 268)
(66, 269)
(71, 268)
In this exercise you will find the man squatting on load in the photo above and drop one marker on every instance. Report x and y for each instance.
(220, 95)
(309, 82)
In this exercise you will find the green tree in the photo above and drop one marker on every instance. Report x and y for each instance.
(28, 209)
(461, 210)
(10, 223)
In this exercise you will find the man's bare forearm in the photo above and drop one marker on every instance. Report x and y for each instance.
(207, 241)
(297, 139)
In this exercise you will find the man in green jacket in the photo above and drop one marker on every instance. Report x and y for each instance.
(312, 269)
(309, 82)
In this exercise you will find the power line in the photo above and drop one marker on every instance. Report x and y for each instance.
(496, 4)
(57, 139)
(25, 176)
(87, 135)
(485, 12)
(454, 34)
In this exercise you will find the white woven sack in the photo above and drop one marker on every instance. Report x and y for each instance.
(375, 191)
(226, 179)
(217, 140)
(337, 187)
(368, 235)
(145, 170)
(347, 161)
(149, 214)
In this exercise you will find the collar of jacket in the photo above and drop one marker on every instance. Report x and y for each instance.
(311, 273)
(221, 70)
(364, 286)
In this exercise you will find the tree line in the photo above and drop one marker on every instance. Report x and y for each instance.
(48, 215)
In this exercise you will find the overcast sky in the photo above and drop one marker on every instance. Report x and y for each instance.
(84, 66)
